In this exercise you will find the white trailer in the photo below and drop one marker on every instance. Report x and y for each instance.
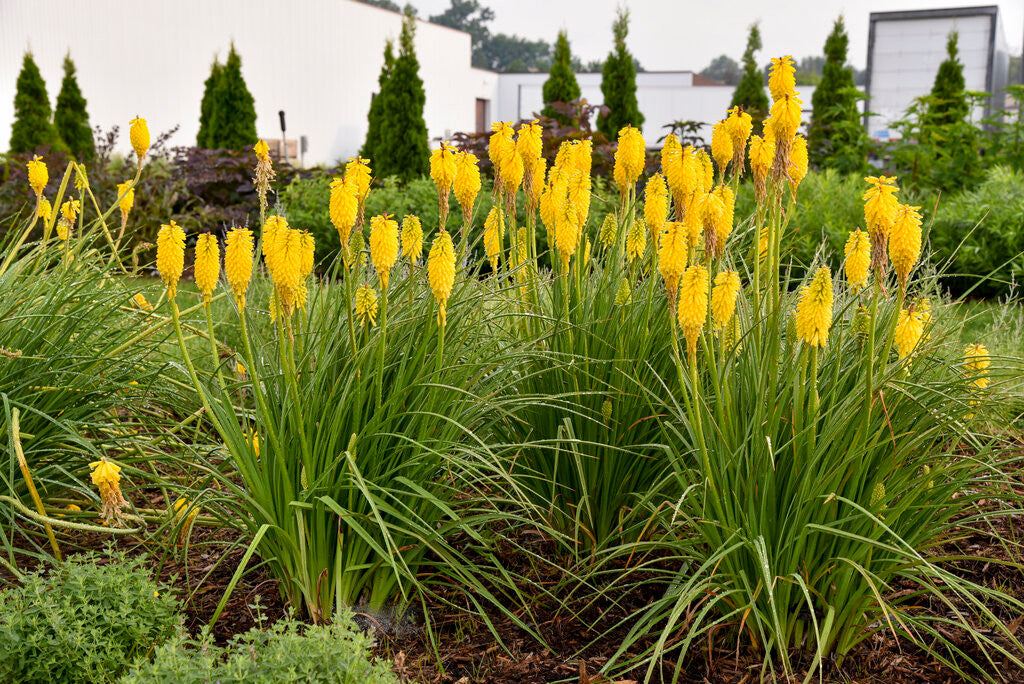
(905, 50)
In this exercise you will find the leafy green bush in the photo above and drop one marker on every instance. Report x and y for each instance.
(989, 221)
(83, 621)
(287, 652)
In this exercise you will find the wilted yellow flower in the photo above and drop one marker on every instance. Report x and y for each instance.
(262, 150)
(140, 301)
(107, 478)
(721, 146)
(858, 259)
(762, 152)
(814, 310)
(412, 238)
(344, 207)
(238, 262)
(723, 297)
(383, 247)
(207, 264)
(38, 176)
(183, 510)
(672, 257)
(69, 210)
(782, 77)
(655, 206)
(629, 158)
(712, 211)
(441, 272)
(693, 306)
(636, 241)
(467, 182)
(739, 124)
(357, 172)
(170, 256)
(976, 363)
(905, 242)
(493, 237)
(909, 328)
(366, 305)
(138, 133)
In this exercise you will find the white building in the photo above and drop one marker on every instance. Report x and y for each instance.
(905, 50)
(151, 59)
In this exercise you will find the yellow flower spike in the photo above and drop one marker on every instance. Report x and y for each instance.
(858, 259)
(712, 210)
(442, 169)
(262, 150)
(240, 370)
(307, 257)
(721, 146)
(705, 170)
(976, 364)
(238, 248)
(138, 133)
(905, 242)
(140, 301)
(107, 478)
(207, 264)
(724, 220)
(512, 174)
(466, 183)
(880, 208)
(798, 163)
(45, 209)
(184, 510)
(762, 153)
(366, 305)
(69, 210)
(739, 125)
(630, 156)
(493, 238)
(672, 257)
(344, 207)
(655, 207)
(529, 141)
(814, 309)
(170, 256)
(357, 172)
(441, 272)
(909, 328)
(636, 241)
(383, 247)
(723, 297)
(127, 194)
(782, 77)
(283, 247)
(693, 306)
(672, 167)
(500, 149)
(38, 176)
(412, 238)
(606, 236)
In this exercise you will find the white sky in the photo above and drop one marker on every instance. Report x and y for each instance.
(687, 34)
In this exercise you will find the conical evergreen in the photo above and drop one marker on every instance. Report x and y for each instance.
(32, 126)
(948, 101)
(618, 83)
(561, 85)
(403, 150)
(835, 137)
(70, 117)
(750, 91)
(233, 117)
(206, 106)
(375, 118)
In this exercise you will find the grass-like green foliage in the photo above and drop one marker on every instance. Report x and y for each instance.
(586, 442)
(83, 621)
(820, 484)
(362, 452)
(288, 652)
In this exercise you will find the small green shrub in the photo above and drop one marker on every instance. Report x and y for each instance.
(83, 621)
(287, 652)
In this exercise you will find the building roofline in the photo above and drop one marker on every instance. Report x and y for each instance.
(417, 18)
(900, 15)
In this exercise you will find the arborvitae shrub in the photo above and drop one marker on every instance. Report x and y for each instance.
(32, 126)
(404, 150)
(70, 117)
(618, 84)
(750, 91)
(233, 118)
(206, 106)
(561, 85)
(836, 137)
(375, 120)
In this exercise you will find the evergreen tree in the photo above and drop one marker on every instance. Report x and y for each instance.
(375, 118)
(948, 101)
(403, 150)
(32, 126)
(561, 85)
(750, 91)
(835, 137)
(618, 83)
(70, 118)
(233, 116)
(206, 106)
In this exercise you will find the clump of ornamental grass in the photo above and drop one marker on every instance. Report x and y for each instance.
(363, 414)
(826, 447)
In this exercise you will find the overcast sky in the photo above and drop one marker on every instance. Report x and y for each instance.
(687, 34)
